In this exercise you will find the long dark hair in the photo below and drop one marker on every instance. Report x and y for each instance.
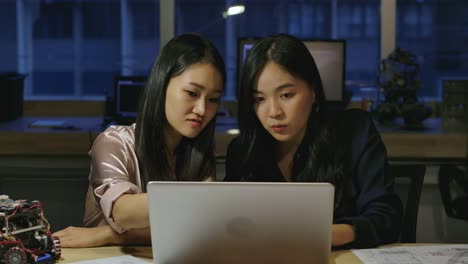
(321, 154)
(194, 157)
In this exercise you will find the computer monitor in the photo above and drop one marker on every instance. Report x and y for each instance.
(329, 56)
(127, 91)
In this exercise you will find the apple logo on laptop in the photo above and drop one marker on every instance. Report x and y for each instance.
(240, 227)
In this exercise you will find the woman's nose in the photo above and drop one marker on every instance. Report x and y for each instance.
(200, 107)
(274, 110)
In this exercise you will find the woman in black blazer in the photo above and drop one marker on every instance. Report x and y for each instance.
(286, 135)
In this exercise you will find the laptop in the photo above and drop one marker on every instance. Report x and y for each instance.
(240, 222)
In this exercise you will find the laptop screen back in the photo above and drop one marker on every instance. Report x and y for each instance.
(215, 222)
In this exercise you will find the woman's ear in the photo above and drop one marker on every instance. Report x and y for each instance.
(315, 103)
(314, 95)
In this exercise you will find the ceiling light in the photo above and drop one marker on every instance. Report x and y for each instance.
(234, 10)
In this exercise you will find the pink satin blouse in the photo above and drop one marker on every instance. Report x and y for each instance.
(114, 172)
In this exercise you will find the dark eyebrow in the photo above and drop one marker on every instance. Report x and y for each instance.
(201, 87)
(283, 86)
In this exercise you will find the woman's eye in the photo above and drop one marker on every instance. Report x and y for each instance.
(190, 93)
(287, 95)
(214, 100)
(259, 99)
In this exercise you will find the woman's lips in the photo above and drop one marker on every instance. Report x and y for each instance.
(278, 128)
(195, 123)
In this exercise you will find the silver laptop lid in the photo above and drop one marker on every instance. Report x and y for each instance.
(201, 222)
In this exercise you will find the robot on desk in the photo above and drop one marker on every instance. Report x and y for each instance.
(25, 235)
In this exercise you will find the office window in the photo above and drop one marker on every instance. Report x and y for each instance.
(437, 32)
(56, 82)
(100, 19)
(352, 17)
(357, 22)
(8, 62)
(54, 20)
(146, 20)
(82, 44)
(306, 19)
(75, 48)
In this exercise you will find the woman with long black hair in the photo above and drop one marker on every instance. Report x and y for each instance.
(287, 135)
(172, 139)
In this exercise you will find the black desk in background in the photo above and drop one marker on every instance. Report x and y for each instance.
(432, 143)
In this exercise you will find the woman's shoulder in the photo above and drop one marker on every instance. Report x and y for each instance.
(117, 134)
(119, 131)
(351, 123)
(351, 118)
(234, 145)
(357, 116)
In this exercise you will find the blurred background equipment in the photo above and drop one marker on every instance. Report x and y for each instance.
(11, 96)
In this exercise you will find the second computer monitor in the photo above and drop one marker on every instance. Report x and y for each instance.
(127, 91)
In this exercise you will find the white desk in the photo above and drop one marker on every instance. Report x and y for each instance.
(70, 255)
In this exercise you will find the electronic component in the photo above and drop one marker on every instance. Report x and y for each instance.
(25, 235)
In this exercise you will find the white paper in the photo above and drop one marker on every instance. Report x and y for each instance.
(48, 123)
(449, 254)
(114, 260)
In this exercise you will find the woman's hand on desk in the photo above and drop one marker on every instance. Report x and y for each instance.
(77, 237)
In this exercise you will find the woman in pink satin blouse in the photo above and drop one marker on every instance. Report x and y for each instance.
(172, 139)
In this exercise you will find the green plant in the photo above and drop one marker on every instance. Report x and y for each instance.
(399, 82)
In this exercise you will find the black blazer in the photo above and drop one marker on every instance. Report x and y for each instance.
(368, 201)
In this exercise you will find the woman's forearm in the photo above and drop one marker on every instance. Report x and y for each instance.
(138, 236)
(342, 234)
(131, 211)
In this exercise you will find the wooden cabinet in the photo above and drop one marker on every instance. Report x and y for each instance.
(60, 183)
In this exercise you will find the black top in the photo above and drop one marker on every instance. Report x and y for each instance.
(368, 201)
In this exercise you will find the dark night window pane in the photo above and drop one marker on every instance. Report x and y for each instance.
(53, 83)
(98, 83)
(55, 20)
(146, 22)
(101, 19)
(437, 32)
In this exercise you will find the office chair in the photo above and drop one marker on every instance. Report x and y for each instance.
(408, 185)
(453, 187)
